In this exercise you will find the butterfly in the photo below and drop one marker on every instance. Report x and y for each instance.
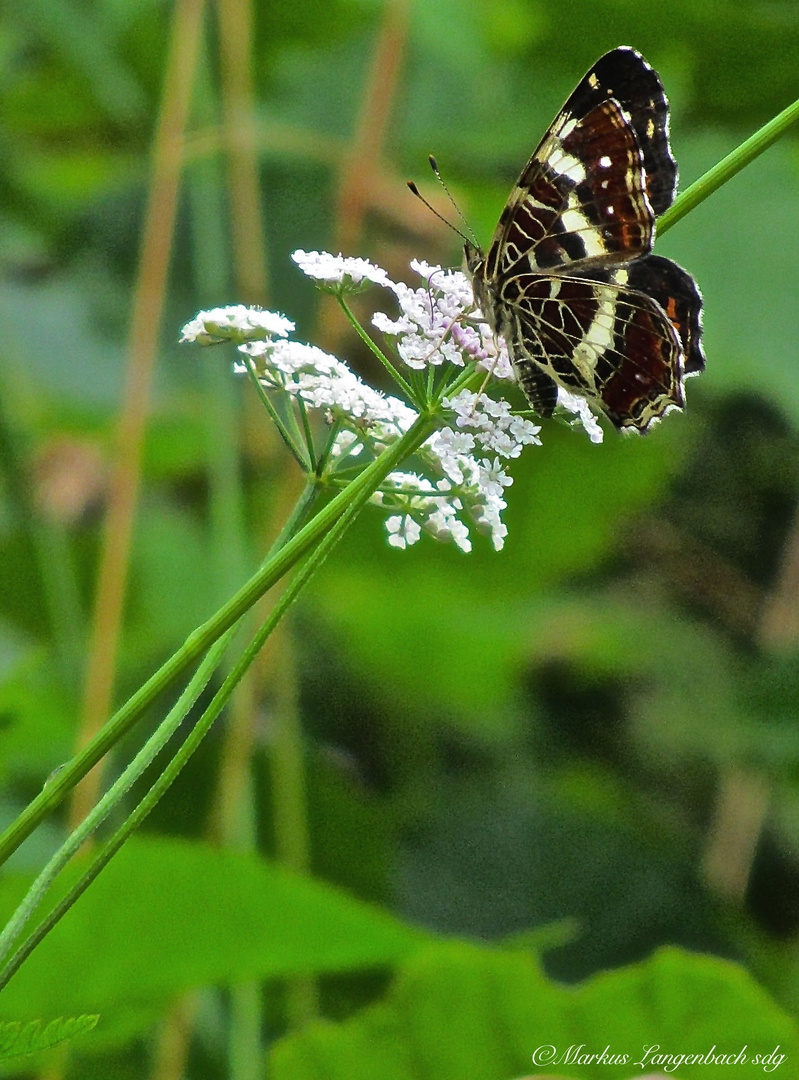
(569, 281)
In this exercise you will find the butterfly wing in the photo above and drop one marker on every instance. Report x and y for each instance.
(580, 201)
(678, 296)
(569, 280)
(597, 180)
(627, 78)
(622, 338)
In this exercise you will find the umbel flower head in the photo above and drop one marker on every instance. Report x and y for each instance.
(457, 477)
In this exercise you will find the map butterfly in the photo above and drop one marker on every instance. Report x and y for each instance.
(569, 281)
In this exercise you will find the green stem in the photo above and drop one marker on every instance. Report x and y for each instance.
(381, 356)
(742, 156)
(356, 494)
(112, 797)
(306, 429)
(463, 379)
(285, 434)
(298, 515)
(332, 434)
(173, 768)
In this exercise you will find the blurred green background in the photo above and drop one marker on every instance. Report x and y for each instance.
(589, 739)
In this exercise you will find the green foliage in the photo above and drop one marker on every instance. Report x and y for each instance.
(489, 613)
(196, 916)
(17, 1039)
(490, 744)
(456, 1010)
(37, 718)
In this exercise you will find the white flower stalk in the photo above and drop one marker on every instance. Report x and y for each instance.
(459, 477)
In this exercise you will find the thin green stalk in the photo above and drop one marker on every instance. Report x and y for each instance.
(327, 449)
(306, 428)
(463, 379)
(112, 797)
(742, 156)
(182, 755)
(356, 494)
(302, 508)
(381, 356)
(292, 444)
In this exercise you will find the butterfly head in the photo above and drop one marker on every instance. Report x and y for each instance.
(474, 257)
(475, 260)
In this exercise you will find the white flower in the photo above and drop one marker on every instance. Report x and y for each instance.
(467, 489)
(493, 424)
(488, 521)
(425, 330)
(450, 447)
(325, 382)
(346, 443)
(344, 274)
(402, 531)
(444, 524)
(235, 323)
(439, 324)
(458, 479)
(480, 344)
(579, 406)
(493, 479)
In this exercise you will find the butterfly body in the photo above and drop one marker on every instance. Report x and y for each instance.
(569, 280)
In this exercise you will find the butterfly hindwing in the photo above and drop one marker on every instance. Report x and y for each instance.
(677, 294)
(601, 339)
(569, 281)
(539, 388)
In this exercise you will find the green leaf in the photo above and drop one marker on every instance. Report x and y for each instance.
(17, 1038)
(197, 916)
(456, 1010)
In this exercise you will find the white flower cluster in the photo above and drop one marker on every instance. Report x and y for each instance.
(495, 426)
(324, 382)
(235, 323)
(337, 272)
(467, 484)
(431, 328)
(460, 476)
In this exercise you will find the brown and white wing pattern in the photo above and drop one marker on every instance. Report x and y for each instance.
(569, 281)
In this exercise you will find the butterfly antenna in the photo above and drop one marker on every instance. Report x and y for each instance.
(471, 238)
(412, 186)
(457, 209)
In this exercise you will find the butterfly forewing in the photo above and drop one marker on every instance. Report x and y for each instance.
(569, 281)
(625, 76)
(580, 199)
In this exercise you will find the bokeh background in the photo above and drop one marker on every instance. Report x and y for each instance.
(591, 736)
